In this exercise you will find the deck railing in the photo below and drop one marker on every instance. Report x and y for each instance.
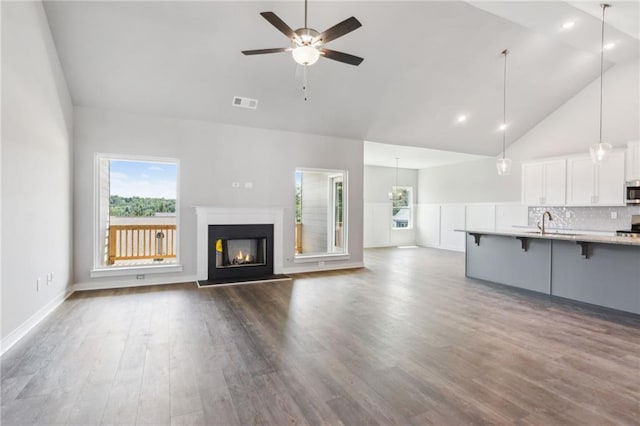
(298, 237)
(132, 242)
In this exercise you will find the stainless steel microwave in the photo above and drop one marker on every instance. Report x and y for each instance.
(633, 192)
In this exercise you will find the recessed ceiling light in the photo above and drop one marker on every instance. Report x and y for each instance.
(568, 25)
(503, 127)
(609, 46)
(462, 118)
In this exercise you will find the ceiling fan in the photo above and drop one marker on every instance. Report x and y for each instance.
(307, 44)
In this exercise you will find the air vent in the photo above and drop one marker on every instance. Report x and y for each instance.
(241, 102)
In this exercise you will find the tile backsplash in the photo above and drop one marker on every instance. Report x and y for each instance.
(586, 218)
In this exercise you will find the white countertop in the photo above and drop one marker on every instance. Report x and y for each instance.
(569, 236)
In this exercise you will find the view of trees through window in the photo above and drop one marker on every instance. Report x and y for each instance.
(139, 206)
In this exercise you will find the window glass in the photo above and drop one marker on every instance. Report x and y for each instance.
(320, 212)
(137, 202)
(402, 207)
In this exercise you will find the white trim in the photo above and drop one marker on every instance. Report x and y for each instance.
(105, 285)
(118, 271)
(97, 252)
(24, 328)
(333, 173)
(326, 267)
(307, 258)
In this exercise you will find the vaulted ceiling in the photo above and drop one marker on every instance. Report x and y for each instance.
(425, 64)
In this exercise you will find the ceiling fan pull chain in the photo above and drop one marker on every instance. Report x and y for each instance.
(305, 83)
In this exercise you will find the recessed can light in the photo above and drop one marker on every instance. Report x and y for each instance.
(609, 46)
(462, 118)
(568, 25)
(503, 127)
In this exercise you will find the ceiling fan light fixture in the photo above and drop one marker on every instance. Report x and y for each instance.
(305, 55)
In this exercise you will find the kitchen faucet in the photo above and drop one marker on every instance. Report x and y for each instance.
(547, 213)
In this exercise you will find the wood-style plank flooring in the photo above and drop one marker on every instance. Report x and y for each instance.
(409, 340)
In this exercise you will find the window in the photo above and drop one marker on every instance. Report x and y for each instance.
(402, 207)
(320, 212)
(137, 201)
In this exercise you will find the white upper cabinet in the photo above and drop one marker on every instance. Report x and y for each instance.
(544, 183)
(596, 185)
(633, 160)
(581, 180)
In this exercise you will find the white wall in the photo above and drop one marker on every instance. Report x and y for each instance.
(377, 207)
(471, 182)
(574, 126)
(568, 130)
(212, 156)
(36, 170)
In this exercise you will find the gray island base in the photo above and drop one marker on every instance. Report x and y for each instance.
(595, 270)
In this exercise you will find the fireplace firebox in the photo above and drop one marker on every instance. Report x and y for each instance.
(240, 252)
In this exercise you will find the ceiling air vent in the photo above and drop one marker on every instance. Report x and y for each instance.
(241, 102)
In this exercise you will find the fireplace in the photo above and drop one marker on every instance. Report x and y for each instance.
(240, 252)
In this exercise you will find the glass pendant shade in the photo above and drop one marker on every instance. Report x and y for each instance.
(503, 165)
(395, 195)
(600, 152)
(305, 55)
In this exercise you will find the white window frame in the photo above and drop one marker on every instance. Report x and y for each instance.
(329, 255)
(101, 270)
(410, 206)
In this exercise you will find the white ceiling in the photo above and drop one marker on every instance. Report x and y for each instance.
(411, 157)
(425, 63)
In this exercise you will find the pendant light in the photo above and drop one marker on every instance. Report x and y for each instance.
(396, 194)
(503, 165)
(600, 151)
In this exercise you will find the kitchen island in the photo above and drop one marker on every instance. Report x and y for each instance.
(597, 269)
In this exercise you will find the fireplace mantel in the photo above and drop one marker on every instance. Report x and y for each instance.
(238, 216)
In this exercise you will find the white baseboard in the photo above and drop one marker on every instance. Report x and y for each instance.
(22, 330)
(160, 280)
(448, 248)
(326, 267)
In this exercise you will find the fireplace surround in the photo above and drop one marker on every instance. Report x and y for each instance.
(237, 216)
(239, 252)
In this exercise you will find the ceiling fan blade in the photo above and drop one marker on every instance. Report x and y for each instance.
(263, 51)
(341, 57)
(279, 24)
(338, 30)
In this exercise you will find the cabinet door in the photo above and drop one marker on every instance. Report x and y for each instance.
(633, 160)
(580, 181)
(532, 179)
(610, 180)
(555, 183)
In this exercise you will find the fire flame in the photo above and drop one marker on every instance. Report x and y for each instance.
(241, 257)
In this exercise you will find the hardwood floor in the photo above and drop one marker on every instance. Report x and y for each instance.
(409, 340)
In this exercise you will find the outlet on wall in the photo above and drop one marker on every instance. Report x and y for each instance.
(614, 215)
(139, 277)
